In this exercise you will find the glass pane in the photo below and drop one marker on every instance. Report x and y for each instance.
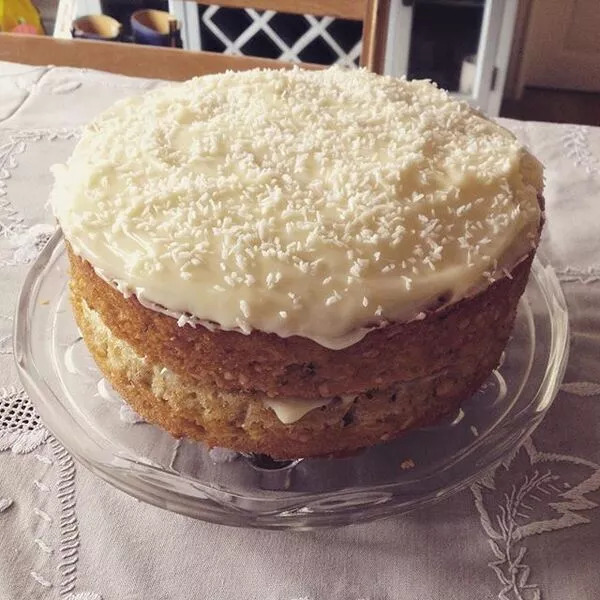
(293, 37)
(444, 41)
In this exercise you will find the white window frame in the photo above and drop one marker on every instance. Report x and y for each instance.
(493, 52)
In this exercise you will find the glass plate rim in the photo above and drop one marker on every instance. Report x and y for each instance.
(38, 388)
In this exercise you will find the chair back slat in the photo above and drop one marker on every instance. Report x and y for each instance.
(345, 9)
(126, 59)
(375, 24)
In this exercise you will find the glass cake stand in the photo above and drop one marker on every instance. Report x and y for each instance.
(83, 412)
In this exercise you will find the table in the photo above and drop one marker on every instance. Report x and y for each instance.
(529, 530)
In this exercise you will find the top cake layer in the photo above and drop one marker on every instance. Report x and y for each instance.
(311, 203)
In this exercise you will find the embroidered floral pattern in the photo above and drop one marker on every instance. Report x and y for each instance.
(530, 493)
(20, 428)
(24, 243)
(570, 274)
(576, 141)
(5, 338)
(11, 221)
(69, 529)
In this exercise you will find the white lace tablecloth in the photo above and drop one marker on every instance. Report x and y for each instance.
(530, 531)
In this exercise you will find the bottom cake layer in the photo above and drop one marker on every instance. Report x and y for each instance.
(247, 422)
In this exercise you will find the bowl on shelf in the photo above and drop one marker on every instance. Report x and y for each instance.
(155, 28)
(96, 27)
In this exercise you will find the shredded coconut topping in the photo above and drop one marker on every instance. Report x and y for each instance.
(296, 201)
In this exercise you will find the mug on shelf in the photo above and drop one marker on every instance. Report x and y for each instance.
(155, 28)
(96, 27)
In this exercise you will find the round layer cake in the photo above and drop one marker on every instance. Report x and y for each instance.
(297, 263)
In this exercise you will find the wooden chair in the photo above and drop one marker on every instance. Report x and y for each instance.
(374, 15)
(126, 59)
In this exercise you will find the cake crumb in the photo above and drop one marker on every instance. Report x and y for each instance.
(409, 463)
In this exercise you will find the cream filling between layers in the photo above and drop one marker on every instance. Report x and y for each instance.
(288, 411)
(319, 204)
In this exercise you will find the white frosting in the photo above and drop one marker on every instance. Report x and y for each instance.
(311, 203)
(290, 410)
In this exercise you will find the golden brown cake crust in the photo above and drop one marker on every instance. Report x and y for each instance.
(241, 421)
(298, 367)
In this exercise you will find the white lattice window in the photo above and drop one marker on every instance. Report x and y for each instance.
(293, 38)
(262, 24)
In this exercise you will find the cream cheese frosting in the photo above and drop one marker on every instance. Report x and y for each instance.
(312, 203)
(291, 410)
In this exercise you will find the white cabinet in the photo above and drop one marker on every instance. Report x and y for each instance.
(562, 45)
(464, 45)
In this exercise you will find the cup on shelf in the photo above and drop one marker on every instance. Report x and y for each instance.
(155, 28)
(96, 27)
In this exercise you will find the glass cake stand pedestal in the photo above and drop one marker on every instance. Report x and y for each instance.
(89, 418)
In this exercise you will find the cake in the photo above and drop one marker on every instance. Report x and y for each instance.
(297, 263)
